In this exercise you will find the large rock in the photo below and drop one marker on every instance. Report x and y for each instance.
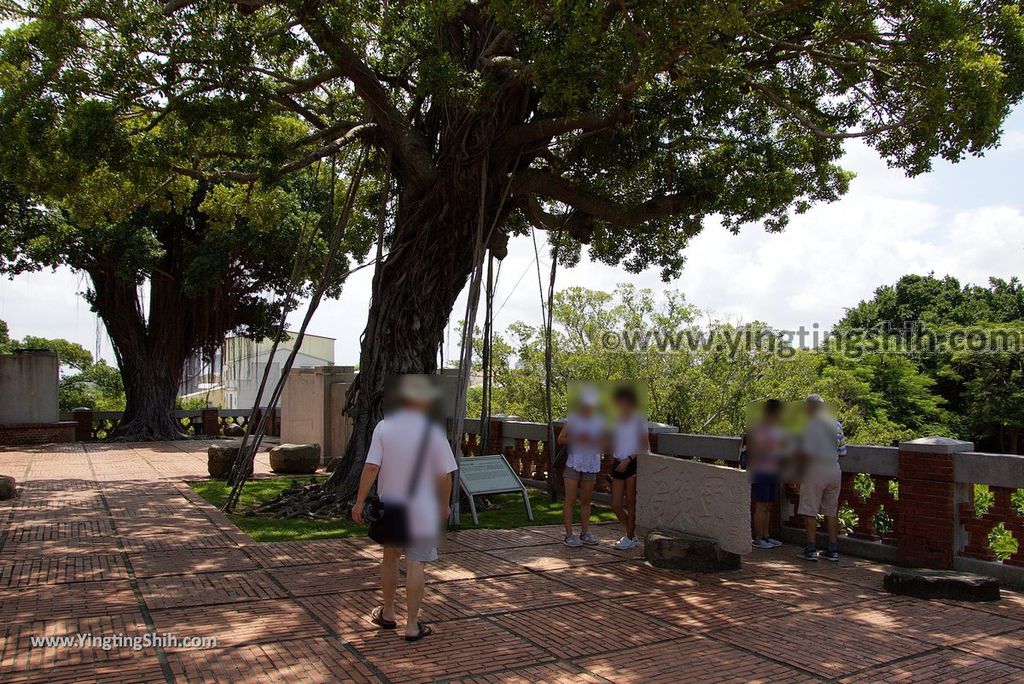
(688, 552)
(941, 584)
(7, 487)
(220, 458)
(295, 459)
(234, 430)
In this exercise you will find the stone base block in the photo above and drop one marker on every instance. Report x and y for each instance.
(220, 458)
(687, 552)
(941, 584)
(7, 487)
(295, 459)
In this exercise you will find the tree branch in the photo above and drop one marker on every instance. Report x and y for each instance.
(543, 129)
(556, 188)
(408, 150)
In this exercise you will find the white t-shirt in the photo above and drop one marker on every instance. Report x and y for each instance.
(629, 436)
(395, 444)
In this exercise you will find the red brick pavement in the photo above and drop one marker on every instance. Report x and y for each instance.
(105, 539)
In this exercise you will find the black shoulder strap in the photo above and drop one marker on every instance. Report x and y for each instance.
(420, 457)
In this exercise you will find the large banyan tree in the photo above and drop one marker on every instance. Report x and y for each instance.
(619, 125)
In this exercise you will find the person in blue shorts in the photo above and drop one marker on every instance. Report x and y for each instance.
(765, 444)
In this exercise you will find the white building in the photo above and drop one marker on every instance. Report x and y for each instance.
(237, 368)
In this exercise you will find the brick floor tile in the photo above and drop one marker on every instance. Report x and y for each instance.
(62, 569)
(940, 666)
(56, 531)
(240, 624)
(1006, 648)
(58, 548)
(18, 654)
(614, 580)
(1009, 605)
(471, 564)
(190, 561)
(278, 554)
(349, 612)
(707, 608)
(553, 556)
(821, 643)
(79, 599)
(168, 540)
(552, 673)
(328, 578)
(503, 594)
(135, 671)
(802, 590)
(179, 591)
(456, 649)
(587, 627)
(931, 621)
(694, 659)
(305, 660)
(485, 540)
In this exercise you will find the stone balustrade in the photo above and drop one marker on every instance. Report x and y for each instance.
(210, 422)
(911, 505)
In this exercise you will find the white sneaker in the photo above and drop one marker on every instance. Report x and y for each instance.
(572, 540)
(761, 544)
(625, 543)
(774, 542)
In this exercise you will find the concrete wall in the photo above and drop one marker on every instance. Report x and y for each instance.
(681, 495)
(311, 405)
(28, 387)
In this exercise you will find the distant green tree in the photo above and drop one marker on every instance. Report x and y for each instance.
(981, 390)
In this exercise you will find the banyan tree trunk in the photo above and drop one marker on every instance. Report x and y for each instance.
(414, 292)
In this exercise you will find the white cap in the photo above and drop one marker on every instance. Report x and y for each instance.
(588, 397)
(417, 388)
(814, 399)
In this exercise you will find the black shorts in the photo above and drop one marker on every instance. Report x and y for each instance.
(629, 472)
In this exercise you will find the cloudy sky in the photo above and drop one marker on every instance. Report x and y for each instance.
(965, 220)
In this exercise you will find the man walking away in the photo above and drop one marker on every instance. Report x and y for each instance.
(822, 445)
(398, 441)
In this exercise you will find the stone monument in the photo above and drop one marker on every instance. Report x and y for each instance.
(694, 502)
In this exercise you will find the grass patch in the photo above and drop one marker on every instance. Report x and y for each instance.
(508, 514)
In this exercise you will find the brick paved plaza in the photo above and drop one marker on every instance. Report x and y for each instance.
(108, 540)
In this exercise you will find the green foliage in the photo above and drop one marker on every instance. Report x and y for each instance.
(704, 387)
(982, 391)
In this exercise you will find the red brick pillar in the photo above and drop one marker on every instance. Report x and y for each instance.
(494, 437)
(83, 423)
(211, 421)
(926, 524)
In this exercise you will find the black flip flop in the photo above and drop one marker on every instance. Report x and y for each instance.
(424, 631)
(377, 618)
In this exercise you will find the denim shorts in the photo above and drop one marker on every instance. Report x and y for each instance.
(764, 487)
(573, 474)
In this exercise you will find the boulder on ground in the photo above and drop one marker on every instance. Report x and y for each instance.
(688, 552)
(234, 430)
(295, 459)
(941, 584)
(220, 458)
(7, 487)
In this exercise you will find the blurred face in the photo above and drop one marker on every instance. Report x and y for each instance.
(812, 408)
(586, 409)
(624, 406)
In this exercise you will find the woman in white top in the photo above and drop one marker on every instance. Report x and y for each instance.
(630, 439)
(584, 434)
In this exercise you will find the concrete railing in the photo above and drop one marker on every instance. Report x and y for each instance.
(910, 505)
